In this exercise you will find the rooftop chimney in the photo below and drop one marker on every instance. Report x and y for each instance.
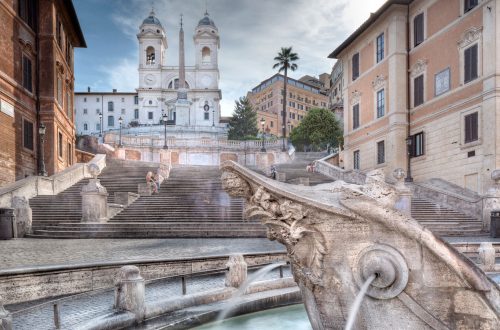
(88, 89)
(114, 90)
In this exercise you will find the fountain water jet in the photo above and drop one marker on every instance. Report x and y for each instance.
(244, 286)
(357, 302)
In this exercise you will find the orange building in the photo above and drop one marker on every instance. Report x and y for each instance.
(267, 100)
(36, 86)
(420, 92)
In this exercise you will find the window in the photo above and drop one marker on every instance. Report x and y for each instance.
(28, 134)
(150, 115)
(380, 152)
(355, 156)
(470, 63)
(380, 103)
(136, 113)
(471, 127)
(111, 106)
(97, 100)
(136, 99)
(59, 90)
(205, 55)
(355, 66)
(150, 55)
(417, 144)
(84, 111)
(418, 29)
(418, 90)
(27, 74)
(206, 116)
(355, 116)
(123, 99)
(59, 32)
(60, 144)
(70, 154)
(123, 111)
(85, 127)
(69, 107)
(111, 121)
(97, 111)
(84, 99)
(272, 124)
(98, 127)
(380, 47)
(27, 12)
(469, 4)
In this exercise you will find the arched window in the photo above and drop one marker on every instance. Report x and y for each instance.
(150, 55)
(174, 84)
(205, 55)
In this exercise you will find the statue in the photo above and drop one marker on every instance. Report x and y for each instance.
(338, 235)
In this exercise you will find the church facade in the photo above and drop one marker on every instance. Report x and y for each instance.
(189, 95)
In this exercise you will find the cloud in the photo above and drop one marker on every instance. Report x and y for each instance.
(252, 32)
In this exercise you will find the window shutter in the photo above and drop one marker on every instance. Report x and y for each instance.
(418, 90)
(418, 29)
(355, 66)
(473, 62)
(355, 116)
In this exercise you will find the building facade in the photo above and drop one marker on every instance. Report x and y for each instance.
(98, 112)
(421, 81)
(335, 94)
(267, 100)
(36, 86)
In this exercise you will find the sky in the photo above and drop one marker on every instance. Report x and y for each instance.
(251, 31)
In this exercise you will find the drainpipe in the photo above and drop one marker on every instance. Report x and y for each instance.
(408, 96)
(37, 86)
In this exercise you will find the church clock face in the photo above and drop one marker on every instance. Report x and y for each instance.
(206, 81)
(149, 79)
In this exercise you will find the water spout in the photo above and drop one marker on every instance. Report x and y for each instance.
(357, 302)
(244, 286)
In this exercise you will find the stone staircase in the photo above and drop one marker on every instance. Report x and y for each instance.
(445, 221)
(50, 212)
(297, 168)
(191, 204)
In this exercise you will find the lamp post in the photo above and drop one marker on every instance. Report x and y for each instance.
(100, 124)
(213, 116)
(409, 145)
(41, 132)
(120, 120)
(263, 122)
(283, 130)
(165, 117)
(289, 129)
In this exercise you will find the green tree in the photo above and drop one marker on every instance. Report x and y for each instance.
(318, 129)
(243, 125)
(284, 62)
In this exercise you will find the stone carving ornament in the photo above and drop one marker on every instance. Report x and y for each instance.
(470, 36)
(337, 235)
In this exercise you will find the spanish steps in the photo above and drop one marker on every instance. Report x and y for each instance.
(191, 203)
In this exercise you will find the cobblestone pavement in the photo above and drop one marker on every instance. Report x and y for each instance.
(32, 252)
(81, 308)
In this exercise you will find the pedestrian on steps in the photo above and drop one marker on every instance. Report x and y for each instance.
(150, 181)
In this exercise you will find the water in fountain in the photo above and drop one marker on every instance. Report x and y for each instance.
(241, 291)
(357, 302)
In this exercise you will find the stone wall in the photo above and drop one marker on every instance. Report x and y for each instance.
(23, 285)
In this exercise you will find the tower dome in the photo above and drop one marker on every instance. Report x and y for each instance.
(206, 21)
(151, 19)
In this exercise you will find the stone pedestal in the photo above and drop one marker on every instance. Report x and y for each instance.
(487, 256)
(94, 202)
(491, 201)
(129, 292)
(5, 318)
(403, 201)
(23, 214)
(281, 176)
(237, 273)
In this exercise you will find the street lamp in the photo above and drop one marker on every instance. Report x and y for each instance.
(165, 117)
(263, 122)
(283, 132)
(41, 132)
(120, 120)
(100, 124)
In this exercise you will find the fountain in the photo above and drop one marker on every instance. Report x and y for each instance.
(340, 236)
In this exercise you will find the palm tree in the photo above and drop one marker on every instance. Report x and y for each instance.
(284, 62)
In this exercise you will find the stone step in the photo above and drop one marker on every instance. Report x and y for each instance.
(150, 234)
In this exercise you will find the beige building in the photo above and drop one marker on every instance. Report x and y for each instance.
(335, 99)
(267, 100)
(426, 70)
